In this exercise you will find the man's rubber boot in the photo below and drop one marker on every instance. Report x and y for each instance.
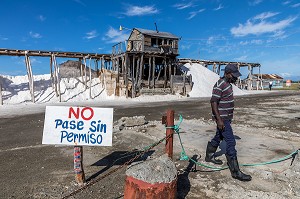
(210, 154)
(235, 170)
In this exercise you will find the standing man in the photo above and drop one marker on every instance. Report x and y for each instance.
(222, 104)
(270, 85)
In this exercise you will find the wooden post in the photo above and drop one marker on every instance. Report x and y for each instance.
(170, 131)
(102, 72)
(126, 74)
(90, 70)
(214, 68)
(51, 72)
(170, 70)
(57, 82)
(141, 71)
(133, 78)
(249, 77)
(184, 87)
(174, 70)
(30, 76)
(85, 78)
(1, 100)
(137, 73)
(153, 72)
(149, 74)
(219, 69)
(160, 68)
(165, 72)
(54, 74)
(78, 166)
(171, 84)
(81, 70)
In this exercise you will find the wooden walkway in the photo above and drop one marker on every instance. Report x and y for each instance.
(210, 62)
(41, 53)
(248, 82)
(55, 78)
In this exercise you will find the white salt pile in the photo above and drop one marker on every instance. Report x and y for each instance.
(16, 91)
(204, 80)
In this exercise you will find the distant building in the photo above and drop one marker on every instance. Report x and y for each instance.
(264, 80)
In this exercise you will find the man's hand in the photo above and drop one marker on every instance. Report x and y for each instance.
(219, 121)
(220, 125)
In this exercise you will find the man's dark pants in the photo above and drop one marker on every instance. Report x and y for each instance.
(228, 136)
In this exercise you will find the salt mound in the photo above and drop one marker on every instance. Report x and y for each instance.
(15, 89)
(159, 170)
(204, 80)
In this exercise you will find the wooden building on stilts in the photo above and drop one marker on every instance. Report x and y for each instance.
(147, 64)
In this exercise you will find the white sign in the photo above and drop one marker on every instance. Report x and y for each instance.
(78, 126)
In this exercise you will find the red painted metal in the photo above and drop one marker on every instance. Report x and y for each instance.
(138, 189)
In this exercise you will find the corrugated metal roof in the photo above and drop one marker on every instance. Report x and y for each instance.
(157, 34)
(268, 76)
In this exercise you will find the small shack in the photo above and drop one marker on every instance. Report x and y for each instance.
(264, 79)
(147, 64)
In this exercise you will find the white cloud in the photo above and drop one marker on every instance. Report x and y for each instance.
(181, 6)
(115, 36)
(35, 35)
(219, 8)
(262, 26)
(185, 47)
(91, 35)
(41, 18)
(295, 5)
(241, 58)
(79, 2)
(286, 2)
(210, 40)
(255, 2)
(285, 74)
(265, 15)
(254, 41)
(244, 43)
(194, 13)
(3, 38)
(279, 34)
(140, 11)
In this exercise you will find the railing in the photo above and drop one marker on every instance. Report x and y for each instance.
(162, 49)
(137, 46)
(119, 48)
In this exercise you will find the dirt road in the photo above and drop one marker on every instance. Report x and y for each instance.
(32, 170)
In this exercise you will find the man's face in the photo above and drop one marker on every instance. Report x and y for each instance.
(231, 78)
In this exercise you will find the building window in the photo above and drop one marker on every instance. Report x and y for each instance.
(171, 43)
(153, 42)
(160, 42)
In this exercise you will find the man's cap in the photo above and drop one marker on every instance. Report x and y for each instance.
(233, 69)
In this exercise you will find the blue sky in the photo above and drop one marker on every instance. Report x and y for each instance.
(264, 31)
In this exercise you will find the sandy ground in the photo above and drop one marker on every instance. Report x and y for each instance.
(266, 129)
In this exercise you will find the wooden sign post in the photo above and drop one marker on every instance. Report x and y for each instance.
(78, 126)
(169, 132)
(78, 165)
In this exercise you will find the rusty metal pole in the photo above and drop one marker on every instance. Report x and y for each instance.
(78, 166)
(169, 132)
